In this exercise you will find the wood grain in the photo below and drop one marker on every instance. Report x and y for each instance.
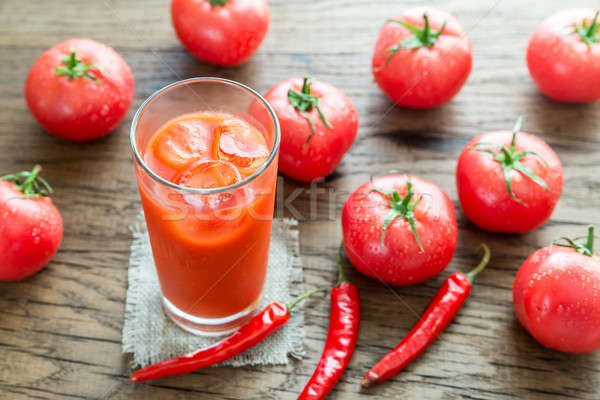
(60, 331)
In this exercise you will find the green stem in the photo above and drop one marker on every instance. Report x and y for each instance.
(217, 3)
(589, 34)
(341, 275)
(298, 299)
(591, 30)
(516, 129)
(510, 160)
(401, 207)
(306, 85)
(482, 264)
(427, 29)
(421, 37)
(587, 248)
(74, 68)
(590, 239)
(304, 102)
(30, 183)
(33, 175)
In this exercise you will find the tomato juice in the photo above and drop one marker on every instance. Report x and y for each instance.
(210, 245)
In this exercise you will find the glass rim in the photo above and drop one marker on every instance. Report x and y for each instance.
(159, 179)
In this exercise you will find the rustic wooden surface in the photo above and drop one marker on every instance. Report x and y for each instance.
(60, 331)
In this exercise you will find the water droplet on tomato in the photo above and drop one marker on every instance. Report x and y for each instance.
(570, 324)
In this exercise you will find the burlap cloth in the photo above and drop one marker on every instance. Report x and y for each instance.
(150, 336)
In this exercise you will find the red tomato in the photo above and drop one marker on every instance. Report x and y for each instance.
(564, 56)
(556, 296)
(422, 58)
(482, 184)
(222, 32)
(318, 126)
(31, 228)
(379, 238)
(79, 96)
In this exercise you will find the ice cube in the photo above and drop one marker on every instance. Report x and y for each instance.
(206, 174)
(184, 142)
(241, 144)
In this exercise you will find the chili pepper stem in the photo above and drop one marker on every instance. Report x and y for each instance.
(482, 264)
(303, 296)
(341, 275)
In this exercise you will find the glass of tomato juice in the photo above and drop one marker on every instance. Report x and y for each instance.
(205, 152)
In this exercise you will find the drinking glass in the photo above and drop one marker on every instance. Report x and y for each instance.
(210, 246)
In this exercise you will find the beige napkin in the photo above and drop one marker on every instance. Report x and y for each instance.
(150, 336)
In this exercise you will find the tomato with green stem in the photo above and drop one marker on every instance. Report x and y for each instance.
(318, 126)
(563, 56)
(422, 58)
(556, 295)
(31, 227)
(508, 181)
(79, 90)
(221, 32)
(400, 229)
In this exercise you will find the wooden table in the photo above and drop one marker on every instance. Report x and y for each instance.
(60, 331)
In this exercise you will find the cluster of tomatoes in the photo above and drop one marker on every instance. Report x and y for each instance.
(398, 228)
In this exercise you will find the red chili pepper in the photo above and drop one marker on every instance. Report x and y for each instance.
(269, 320)
(442, 309)
(344, 324)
